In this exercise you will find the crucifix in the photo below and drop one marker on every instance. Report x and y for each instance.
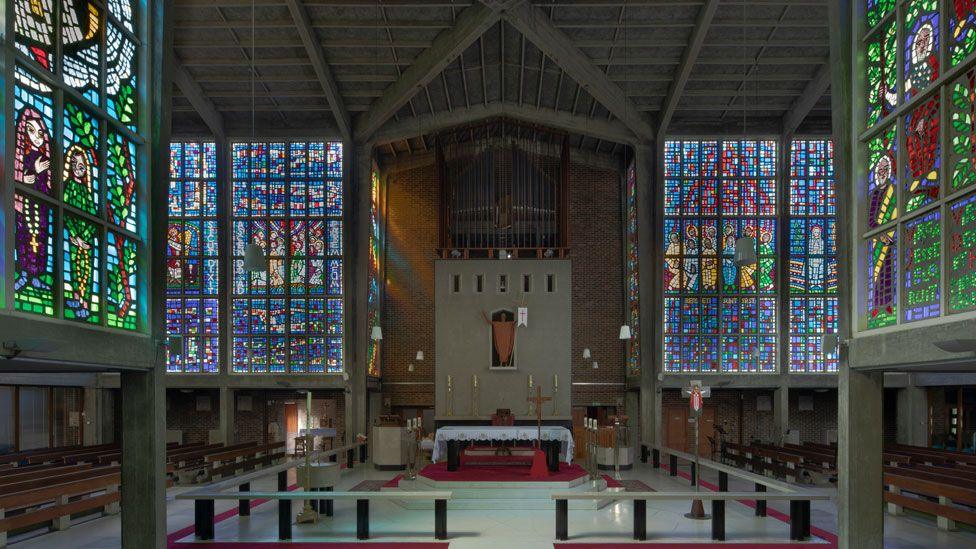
(538, 399)
(696, 395)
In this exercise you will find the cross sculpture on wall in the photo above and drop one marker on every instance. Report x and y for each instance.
(538, 399)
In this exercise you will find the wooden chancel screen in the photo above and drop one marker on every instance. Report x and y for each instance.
(503, 189)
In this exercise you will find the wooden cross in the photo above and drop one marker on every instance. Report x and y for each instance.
(538, 399)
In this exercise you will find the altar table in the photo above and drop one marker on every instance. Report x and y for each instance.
(487, 433)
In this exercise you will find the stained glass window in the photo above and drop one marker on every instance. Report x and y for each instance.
(882, 192)
(923, 146)
(82, 270)
(813, 255)
(882, 287)
(373, 295)
(34, 25)
(77, 243)
(961, 227)
(877, 9)
(718, 316)
(921, 49)
(286, 198)
(882, 73)
(923, 255)
(962, 130)
(633, 276)
(962, 30)
(81, 24)
(192, 270)
(80, 175)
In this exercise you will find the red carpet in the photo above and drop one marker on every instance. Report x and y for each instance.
(612, 482)
(393, 482)
(475, 473)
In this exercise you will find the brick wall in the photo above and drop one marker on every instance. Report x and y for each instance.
(408, 302)
(813, 424)
(938, 419)
(182, 414)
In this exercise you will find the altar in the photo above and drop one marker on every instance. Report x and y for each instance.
(485, 434)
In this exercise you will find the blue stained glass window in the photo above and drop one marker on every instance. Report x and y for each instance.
(287, 198)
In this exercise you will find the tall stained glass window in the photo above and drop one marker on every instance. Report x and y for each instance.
(917, 162)
(78, 245)
(192, 273)
(287, 199)
(373, 307)
(719, 317)
(813, 255)
(633, 275)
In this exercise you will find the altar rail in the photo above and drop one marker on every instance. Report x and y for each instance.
(204, 496)
(799, 501)
(799, 508)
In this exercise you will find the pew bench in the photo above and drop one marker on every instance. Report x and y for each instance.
(939, 499)
(204, 507)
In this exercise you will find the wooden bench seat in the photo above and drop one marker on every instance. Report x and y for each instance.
(940, 499)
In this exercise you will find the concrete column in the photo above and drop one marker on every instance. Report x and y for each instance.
(860, 511)
(781, 414)
(143, 461)
(90, 418)
(649, 191)
(913, 416)
(226, 409)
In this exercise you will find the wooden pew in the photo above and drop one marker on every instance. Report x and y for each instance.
(20, 510)
(45, 471)
(229, 461)
(945, 456)
(948, 496)
(31, 484)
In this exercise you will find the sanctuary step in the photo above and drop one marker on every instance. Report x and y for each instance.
(497, 455)
(484, 488)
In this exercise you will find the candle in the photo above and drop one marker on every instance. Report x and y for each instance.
(450, 381)
(530, 381)
(475, 380)
(555, 381)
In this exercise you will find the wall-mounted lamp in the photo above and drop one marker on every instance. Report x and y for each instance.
(254, 260)
(586, 353)
(596, 365)
(625, 332)
(420, 356)
(376, 334)
(745, 251)
(410, 367)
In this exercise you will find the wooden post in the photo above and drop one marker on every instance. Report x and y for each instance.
(562, 519)
(723, 481)
(760, 503)
(362, 519)
(673, 462)
(656, 458)
(282, 481)
(718, 519)
(203, 523)
(440, 519)
(640, 519)
(284, 519)
(244, 505)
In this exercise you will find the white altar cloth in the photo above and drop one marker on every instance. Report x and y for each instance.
(486, 433)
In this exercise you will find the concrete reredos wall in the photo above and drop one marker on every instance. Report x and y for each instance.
(463, 339)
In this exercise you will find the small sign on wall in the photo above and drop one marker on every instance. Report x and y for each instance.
(203, 403)
(244, 403)
(74, 419)
(764, 403)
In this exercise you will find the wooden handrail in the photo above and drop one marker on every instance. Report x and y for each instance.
(721, 467)
(301, 494)
(671, 496)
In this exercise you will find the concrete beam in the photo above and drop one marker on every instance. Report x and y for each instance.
(608, 130)
(450, 43)
(688, 59)
(198, 99)
(535, 26)
(322, 72)
(802, 106)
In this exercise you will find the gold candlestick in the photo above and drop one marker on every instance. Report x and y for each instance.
(474, 395)
(450, 395)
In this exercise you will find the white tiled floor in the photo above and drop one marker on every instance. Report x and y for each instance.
(508, 528)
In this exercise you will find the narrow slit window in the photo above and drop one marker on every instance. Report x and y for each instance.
(456, 284)
(479, 283)
(527, 283)
(550, 283)
(502, 284)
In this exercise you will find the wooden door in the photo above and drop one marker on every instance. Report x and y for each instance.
(291, 417)
(707, 429)
(676, 428)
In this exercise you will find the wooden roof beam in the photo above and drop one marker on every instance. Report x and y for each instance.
(322, 71)
(535, 25)
(199, 100)
(688, 59)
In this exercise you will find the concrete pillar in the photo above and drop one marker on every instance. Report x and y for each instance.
(860, 510)
(226, 409)
(90, 420)
(649, 191)
(913, 416)
(781, 414)
(143, 459)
